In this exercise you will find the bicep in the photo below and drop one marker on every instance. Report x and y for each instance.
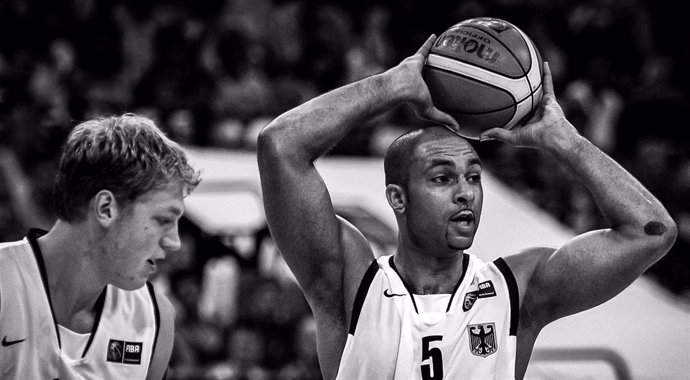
(585, 272)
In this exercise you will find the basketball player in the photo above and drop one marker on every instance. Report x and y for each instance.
(432, 311)
(75, 302)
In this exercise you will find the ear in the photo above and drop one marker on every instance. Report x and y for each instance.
(105, 208)
(396, 197)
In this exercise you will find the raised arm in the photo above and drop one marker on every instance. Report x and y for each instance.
(327, 255)
(595, 266)
(298, 207)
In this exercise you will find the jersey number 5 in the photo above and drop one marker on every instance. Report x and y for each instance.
(434, 369)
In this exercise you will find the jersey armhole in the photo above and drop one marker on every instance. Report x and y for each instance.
(512, 293)
(362, 294)
(165, 333)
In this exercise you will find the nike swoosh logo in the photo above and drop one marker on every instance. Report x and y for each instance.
(390, 295)
(6, 342)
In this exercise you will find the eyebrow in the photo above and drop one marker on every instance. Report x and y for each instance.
(440, 162)
(175, 210)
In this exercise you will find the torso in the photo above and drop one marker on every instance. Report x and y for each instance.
(470, 333)
(120, 343)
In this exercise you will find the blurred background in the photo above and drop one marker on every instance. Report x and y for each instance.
(212, 73)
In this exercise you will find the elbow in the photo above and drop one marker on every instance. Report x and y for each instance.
(271, 142)
(662, 233)
(672, 233)
(267, 141)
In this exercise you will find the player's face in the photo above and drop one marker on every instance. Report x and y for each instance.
(445, 194)
(144, 233)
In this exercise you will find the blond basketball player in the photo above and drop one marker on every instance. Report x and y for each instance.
(74, 301)
(432, 311)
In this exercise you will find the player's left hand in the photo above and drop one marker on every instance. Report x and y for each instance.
(545, 127)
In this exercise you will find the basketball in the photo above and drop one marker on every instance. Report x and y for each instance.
(486, 73)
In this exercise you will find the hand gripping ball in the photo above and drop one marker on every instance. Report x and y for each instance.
(486, 73)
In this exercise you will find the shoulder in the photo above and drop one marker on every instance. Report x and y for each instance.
(17, 263)
(357, 258)
(339, 275)
(524, 262)
(523, 265)
(10, 249)
(161, 301)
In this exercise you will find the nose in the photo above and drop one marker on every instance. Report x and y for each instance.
(171, 239)
(463, 192)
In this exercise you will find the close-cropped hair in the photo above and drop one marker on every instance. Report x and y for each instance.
(127, 155)
(396, 161)
(401, 152)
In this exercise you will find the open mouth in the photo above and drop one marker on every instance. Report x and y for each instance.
(464, 217)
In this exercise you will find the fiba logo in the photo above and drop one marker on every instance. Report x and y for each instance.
(120, 351)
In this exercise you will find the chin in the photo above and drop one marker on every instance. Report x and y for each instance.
(460, 244)
(131, 285)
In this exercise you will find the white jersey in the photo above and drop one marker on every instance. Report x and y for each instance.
(120, 345)
(469, 334)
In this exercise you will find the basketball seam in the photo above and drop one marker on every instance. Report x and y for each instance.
(513, 121)
(468, 62)
(494, 78)
(531, 46)
(514, 104)
(532, 56)
(493, 110)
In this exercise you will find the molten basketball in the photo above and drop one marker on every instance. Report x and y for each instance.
(486, 73)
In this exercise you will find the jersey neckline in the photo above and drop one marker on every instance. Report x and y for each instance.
(32, 238)
(465, 263)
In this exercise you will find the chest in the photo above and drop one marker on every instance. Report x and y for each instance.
(120, 343)
(466, 334)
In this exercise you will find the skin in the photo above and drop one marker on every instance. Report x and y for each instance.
(112, 245)
(329, 256)
(445, 179)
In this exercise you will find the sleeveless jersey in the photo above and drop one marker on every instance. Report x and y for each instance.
(121, 342)
(469, 334)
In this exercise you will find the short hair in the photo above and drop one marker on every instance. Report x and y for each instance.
(396, 161)
(399, 155)
(127, 155)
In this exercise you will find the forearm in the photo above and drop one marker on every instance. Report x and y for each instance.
(627, 204)
(311, 129)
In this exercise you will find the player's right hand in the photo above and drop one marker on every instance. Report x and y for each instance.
(408, 78)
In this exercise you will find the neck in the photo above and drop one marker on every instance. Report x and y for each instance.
(428, 274)
(73, 277)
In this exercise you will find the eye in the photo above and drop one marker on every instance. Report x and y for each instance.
(440, 178)
(476, 177)
(163, 221)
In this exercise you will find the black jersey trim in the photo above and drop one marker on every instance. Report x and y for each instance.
(100, 302)
(512, 293)
(362, 294)
(157, 315)
(465, 264)
(409, 289)
(32, 237)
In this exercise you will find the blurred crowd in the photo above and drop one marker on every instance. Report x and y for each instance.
(212, 73)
